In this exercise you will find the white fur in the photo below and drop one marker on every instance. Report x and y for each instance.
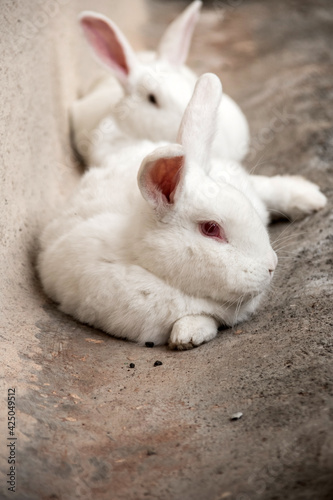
(289, 195)
(163, 74)
(128, 257)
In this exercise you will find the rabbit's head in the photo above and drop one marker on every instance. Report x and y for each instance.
(157, 86)
(210, 243)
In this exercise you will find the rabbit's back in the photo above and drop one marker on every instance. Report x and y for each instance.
(111, 188)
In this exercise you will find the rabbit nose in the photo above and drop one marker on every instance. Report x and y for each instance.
(273, 264)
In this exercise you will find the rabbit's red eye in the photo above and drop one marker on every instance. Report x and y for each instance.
(212, 229)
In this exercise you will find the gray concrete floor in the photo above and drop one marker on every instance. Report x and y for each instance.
(90, 427)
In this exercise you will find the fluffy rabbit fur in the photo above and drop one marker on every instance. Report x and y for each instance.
(167, 251)
(148, 91)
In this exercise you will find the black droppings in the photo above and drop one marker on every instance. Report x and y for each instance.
(132, 365)
(158, 363)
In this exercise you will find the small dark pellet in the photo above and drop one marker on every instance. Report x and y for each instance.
(149, 344)
(132, 365)
(158, 363)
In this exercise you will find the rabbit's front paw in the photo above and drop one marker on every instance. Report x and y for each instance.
(191, 331)
(305, 197)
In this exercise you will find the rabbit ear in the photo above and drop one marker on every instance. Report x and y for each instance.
(160, 175)
(175, 42)
(198, 126)
(109, 44)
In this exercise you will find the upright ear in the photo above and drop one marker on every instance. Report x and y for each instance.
(198, 126)
(160, 176)
(109, 44)
(175, 43)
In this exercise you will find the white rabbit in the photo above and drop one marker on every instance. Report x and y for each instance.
(169, 256)
(148, 91)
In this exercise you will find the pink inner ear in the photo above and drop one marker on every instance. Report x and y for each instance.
(165, 176)
(106, 44)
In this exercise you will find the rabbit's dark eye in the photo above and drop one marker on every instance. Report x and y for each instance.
(152, 99)
(212, 229)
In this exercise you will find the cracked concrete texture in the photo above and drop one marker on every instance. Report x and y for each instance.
(89, 426)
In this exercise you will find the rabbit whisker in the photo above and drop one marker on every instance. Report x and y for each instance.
(286, 229)
(287, 236)
(282, 247)
(261, 161)
(239, 304)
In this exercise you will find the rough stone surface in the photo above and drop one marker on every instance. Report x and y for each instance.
(88, 426)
